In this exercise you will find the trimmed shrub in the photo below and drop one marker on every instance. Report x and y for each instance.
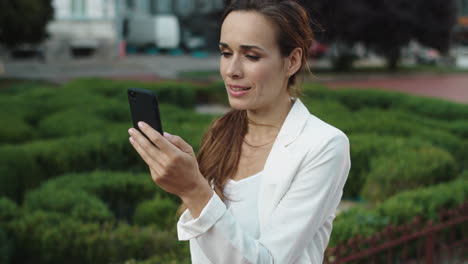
(71, 122)
(356, 99)
(181, 94)
(356, 222)
(54, 238)
(16, 165)
(8, 210)
(121, 191)
(25, 166)
(367, 147)
(400, 209)
(407, 169)
(15, 130)
(6, 247)
(424, 202)
(160, 212)
(75, 203)
(8, 213)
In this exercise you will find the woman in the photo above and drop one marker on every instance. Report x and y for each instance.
(269, 175)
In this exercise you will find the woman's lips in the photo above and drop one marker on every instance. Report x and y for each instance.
(238, 90)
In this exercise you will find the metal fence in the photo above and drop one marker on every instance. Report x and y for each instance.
(444, 241)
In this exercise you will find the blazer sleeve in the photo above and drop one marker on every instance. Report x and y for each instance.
(312, 197)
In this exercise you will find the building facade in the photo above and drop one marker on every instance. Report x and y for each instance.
(100, 24)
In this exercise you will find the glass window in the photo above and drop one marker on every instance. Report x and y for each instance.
(78, 8)
(184, 7)
(160, 7)
(130, 4)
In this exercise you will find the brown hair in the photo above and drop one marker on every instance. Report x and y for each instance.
(220, 150)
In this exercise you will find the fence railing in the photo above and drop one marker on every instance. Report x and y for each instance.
(444, 242)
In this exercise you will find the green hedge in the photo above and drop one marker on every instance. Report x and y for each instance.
(6, 247)
(24, 166)
(407, 169)
(367, 147)
(356, 99)
(120, 191)
(53, 238)
(399, 209)
(159, 211)
(77, 204)
(8, 210)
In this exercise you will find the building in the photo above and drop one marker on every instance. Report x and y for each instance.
(101, 25)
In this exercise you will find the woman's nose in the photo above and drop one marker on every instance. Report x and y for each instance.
(234, 67)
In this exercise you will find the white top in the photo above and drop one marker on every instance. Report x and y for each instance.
(300, 188)
(242, 202)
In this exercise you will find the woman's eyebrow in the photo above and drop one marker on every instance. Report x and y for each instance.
(245, 47)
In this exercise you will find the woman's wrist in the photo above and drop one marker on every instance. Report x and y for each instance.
(197, 198)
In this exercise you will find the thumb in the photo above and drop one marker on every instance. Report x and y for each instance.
(179, 142)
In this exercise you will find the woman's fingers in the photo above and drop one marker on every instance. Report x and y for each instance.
(180, 143)
(150, 154)
(160, 141)
(141, 151)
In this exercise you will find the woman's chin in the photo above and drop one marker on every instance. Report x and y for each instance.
(237, 105)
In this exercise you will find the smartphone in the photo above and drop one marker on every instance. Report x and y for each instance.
(144, 107)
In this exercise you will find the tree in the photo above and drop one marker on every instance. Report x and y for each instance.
(24, 21)
(385, 25)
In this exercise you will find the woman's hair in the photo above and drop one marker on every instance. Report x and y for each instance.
(220, 150)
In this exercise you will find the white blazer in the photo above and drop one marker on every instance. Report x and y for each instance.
(301, 188)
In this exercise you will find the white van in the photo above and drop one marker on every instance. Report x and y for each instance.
(162, 31)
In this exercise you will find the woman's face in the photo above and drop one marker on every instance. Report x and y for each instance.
(251, 65)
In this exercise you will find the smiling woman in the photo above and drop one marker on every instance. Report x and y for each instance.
(269, 175)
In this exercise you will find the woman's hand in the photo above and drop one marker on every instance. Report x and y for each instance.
(173, 166)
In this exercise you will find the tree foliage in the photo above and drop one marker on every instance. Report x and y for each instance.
(385, 25)
(24, 21)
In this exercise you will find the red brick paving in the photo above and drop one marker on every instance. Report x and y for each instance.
(449, 87)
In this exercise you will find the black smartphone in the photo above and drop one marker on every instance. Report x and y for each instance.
(144, 107)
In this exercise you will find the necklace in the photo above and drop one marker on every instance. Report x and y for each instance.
(258, 146)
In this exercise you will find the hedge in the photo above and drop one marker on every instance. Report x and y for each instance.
(159, 211)
(401, 208)
(367, 147)
(407, 169)
(53, 238)
(356, 99)
(122, 192)
(26, 165)
(77, 204)
(8, 212)
(6, 247)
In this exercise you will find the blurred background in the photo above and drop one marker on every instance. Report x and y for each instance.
(392, 74)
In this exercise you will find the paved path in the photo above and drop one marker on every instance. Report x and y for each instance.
(453, 87)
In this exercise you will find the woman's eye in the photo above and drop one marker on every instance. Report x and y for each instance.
(252, 57)
(225, 54)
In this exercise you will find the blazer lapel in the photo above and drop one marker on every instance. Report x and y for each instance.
(281, 164)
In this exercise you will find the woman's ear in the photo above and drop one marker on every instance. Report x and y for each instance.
(295, 61)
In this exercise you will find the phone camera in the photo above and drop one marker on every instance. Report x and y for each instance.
(132, 94)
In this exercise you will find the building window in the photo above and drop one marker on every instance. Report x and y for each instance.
(78, 8)
(158, 7)
(463, 7)
(130, 4)
(184, 7)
